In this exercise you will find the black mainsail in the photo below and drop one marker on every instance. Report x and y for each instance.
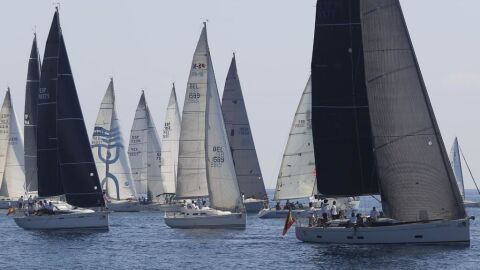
(341, 124)
(64, 146)
(30, 118)
(247, 167)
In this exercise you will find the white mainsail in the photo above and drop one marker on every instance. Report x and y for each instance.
(457, 166)
(296, 178)
(109, 151)
(154, 158)
(170, 140)
(12, 170)
(191, 172)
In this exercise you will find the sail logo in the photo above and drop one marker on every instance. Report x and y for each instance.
(218, 157)
(199, 66)
(43, 94)
(166, 130)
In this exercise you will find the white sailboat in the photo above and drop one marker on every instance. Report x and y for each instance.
(375, 132)
(205, 164)
(456, 161)
(12, 171)
(240, 138)
(65, 163)
(297, 177)
(145, 157)
(111, 158)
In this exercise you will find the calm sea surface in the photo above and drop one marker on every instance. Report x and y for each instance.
(142, 241)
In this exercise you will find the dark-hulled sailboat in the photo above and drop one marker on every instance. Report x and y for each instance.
(375, 131)
(240, 138)
(64, 158)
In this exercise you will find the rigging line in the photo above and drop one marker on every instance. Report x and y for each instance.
(373, 196)
(468, 167)
(415, 133)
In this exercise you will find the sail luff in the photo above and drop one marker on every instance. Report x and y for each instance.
(296, 178)
(240, 137)
(457, 167)
(417, 181)
(30, 117)
(169, 145)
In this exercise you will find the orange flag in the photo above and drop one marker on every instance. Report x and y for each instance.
(288, 222)
(11, 210)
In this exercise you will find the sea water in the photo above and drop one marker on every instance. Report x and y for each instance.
(142, 241)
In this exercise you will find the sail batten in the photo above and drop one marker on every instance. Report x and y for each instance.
(247, 167)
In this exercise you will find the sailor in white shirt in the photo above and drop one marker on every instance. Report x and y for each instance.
(374, 213)
(333, 210)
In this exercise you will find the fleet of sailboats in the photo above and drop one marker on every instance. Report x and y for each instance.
(364, 126)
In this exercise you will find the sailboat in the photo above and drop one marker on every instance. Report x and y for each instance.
(111, 157)
(30, 118)
(169, 150)
(205, 163)
(12, 173)
(145, 157)
(297, 177)
(64, 159)
(374, 130)
(247, 168)
(456, 162)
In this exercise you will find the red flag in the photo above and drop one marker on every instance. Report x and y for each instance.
(288, 222)
(11, 210)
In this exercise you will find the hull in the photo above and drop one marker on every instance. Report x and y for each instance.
(448, 231)
(253, 206)
(124, 206)
(160, 207)
(82, 220)
(205, 220)
(471, 204)
(273, 213)
(7, 203)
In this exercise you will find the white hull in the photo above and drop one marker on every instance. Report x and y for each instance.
(205, 219)
(253, 206)
(7, 203)
(273, 213)
(124, 206)
(471, 204)
(160, 207)
(81, 220)
(448, 231)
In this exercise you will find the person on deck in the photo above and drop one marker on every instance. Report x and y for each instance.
(353, 220)
(277, 206)
(20, 202)
(333, 210)
(374, 214)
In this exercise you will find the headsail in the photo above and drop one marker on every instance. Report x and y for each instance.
(341, 124)
(137, 148)
(30, 118)
(240, 137)
(456, 162)
(191, 173)
(222, 181)
(170, 140)
(296, 178)
(417, 181)
(12, 173)
(154, 158)
(109, 151)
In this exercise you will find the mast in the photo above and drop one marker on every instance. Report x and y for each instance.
(457, 167)
(417, 181)
(109, 151)
(191, 172)
(12, 173)
(240, 137)
(223, 189)
(30, 119)
(170, 141)
(296, 178)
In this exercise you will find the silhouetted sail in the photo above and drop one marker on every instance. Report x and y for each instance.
(30, 119)
(137, 148)
(296, 178)
(341, 124)
(109, 151)
(12, 173)
(191, 173)
(154, 158)
(223, 189)
(63, 146)
(170, 141)
(456, 162)
(416, 179)
(240, 137)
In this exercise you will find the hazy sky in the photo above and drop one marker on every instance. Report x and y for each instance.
(149, 44)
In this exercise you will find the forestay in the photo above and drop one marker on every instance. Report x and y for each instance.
(416, 179)
(296, 178)
(456, 162)
(170, 141)
(240, 137)
(191, 173)
(12, 174)
(109, 151)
